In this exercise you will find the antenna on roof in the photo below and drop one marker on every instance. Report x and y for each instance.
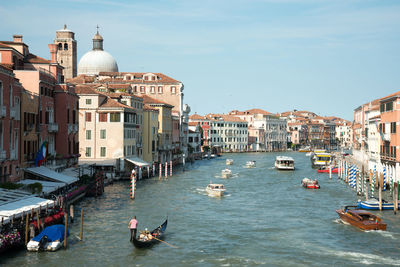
(97, 28)
(65, 26)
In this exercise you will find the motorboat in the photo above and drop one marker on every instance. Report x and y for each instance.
(310, 184)
(308, 154)
(284, 163)
(229, 161)
(216, 190)
(213, 156)
(305, 149)
(326, 169)
(226, 173)
(320, 159)
(251, 164)
(361, 218)
(373, 204)
(50, 239)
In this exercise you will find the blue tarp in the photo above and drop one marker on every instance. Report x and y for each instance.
(53, 233)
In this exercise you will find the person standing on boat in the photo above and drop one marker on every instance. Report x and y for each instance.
(133, 226)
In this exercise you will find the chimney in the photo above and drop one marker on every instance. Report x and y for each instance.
(53, 53)
(17, 38)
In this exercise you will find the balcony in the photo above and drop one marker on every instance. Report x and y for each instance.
(3, 111)
(386, 137)
(52, 127)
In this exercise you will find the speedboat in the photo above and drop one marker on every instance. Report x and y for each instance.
(326, 170)
(305, 149)
(373, 204)
(284, 163)
(251, 164)
(226, 173)
(361, 219)
(310, 184)
(216, 190)
(50, 239)
(320, 159)
(229, 161)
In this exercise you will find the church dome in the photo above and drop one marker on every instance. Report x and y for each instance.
(97, 60)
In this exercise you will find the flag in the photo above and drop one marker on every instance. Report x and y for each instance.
(41, 154)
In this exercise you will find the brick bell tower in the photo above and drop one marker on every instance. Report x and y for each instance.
(66, 51)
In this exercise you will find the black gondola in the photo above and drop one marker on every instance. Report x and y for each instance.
(156, 233)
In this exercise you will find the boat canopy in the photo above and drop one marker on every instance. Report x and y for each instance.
(137, 161)
(50, 175)
(53, 233)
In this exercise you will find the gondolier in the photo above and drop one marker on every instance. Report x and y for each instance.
(133, 227)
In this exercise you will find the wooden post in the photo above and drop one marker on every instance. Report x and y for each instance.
(26, 228)
(65, 230)
(330, 172)
(71, 213)
(380, 190)
(47, 208)
(81, 235)
(166, 169)
(37, 219)
(395, 205)
(159, 171)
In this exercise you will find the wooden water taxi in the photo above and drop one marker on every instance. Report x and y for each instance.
(216, 190)
(284, 163)
(361, 219)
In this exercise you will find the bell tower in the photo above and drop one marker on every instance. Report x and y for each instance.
(66, 51)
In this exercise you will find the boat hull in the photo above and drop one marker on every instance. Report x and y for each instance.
(334, 170)
(215, 193)
(374, 205)
(158, 233)
(363, 225)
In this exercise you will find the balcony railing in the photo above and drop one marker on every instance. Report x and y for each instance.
(52, 127)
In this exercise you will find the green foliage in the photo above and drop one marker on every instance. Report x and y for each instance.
(35, 188)
(85, 179)
(11, 186)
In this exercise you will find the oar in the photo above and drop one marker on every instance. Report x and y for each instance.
(165, 242)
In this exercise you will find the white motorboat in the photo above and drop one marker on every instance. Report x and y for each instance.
(284, 163)
(226, 173)
(50, 239)
(229, 161)
(251, 164)
(216, 190)
(308, 154)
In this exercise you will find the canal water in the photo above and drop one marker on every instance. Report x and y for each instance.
(265, 219)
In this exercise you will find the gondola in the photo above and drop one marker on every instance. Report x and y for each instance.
(156, 233)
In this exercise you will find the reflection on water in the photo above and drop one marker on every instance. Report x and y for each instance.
(265, 218)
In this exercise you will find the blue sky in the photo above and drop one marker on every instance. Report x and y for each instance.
(319, 55)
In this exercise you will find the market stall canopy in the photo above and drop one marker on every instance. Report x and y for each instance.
(50, 175)
(137, 161)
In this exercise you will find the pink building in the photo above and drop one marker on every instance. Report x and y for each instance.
(10, 96)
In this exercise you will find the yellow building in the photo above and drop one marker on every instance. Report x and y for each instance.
(150, 133)
(164, 129)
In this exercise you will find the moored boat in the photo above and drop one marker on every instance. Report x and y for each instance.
(229, 161)
(361, 219)
(310, 184)
(226, 173)
(326, 170)
(216, 190)
(305, 149)
(146, 240)
(284, 163)
(250, 164)
(320, 159)
(50, 239)
(373, 204)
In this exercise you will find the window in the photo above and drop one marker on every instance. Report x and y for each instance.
(88, 152)
(142, 90)
(103, 134)
(173, 90)
(160, 89)
(102, 117)
(88, 116)
(65, 46)
(59, 46)
(146, 78)
(88, 101)
(102, 151)
(389, 106)
(393, 127)
(115, 117)
(88, 134)
(152, 89)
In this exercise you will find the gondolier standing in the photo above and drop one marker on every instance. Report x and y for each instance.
(133, 226)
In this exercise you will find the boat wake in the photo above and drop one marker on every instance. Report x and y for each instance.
(383, 233)
(364, 258)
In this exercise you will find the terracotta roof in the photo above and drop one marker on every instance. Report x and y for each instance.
(228, 118)
(5, 46)
(197, 117)
(162, 78)
(6, 66)
(119, 86)
(193, 123)
(31, 58)
(149, 100)
(397, 94)
(86, 89)
(147, 107)
(257, 111)
(111, 103)
(81, 79)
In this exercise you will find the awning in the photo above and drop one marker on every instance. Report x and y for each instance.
(106, 162)
(47, 187)
(51, 175)
(137, 161)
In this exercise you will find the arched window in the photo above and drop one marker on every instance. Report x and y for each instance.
(65, 46)
(60, 46)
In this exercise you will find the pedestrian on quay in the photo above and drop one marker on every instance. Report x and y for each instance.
(133, 227)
